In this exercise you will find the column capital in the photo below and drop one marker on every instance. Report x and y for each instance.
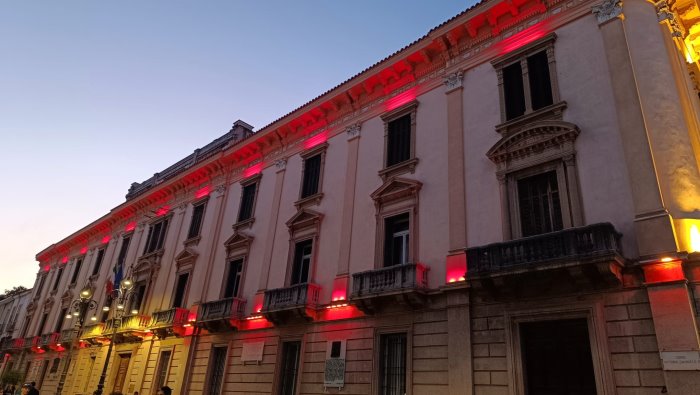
(281, 164)
(353, 131)
(453, 81)
(607, 10)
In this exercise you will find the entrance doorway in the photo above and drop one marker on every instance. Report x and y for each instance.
(121, 372)
(557, 358)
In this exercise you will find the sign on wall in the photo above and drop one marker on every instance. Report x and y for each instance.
(681, 360)
(334, 373)
(252, 351)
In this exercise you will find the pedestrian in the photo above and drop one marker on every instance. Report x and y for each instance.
(25, 388)
(32, 388)
(165, 390)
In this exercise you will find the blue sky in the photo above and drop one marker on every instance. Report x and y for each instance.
(97, 95)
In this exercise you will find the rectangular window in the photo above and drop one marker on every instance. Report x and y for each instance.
(539, 204)
(217, 367)
(247, 202)
(76, 271)
(396, 240)
(514, 90)
(42, 324)
(181, 289)
(540, 84)
(233, 278)
(196, 222)
(290, 367)
(126, 240)
(312, 175)
(156, 236)
(302, 262)
(398, 140)
(40, 287)
(163, 365)
(538, 90)
(139, 294)
(59, 321)
(57, 281)
(98, 261)
(392, 364)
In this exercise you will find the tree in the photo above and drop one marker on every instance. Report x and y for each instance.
(14, 291)
(12, 377)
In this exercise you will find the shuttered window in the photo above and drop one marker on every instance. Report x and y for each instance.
(539, 204)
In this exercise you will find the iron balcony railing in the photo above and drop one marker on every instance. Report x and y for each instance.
(597, 240)
(127, 323)
(92, 331)
(389, 279)
(172, 317)
(300, 295)
(17, 344)
(67, 335)
(49, 338)
(222, 309)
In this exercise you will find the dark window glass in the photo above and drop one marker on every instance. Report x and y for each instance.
(216, 370)
(139, 293)
(233, 279)
(180, 290)
(54, 365)
(312, 175)
(59, 321)
(42, 323)
(396, 239)
(76, 271)
(540, 207)
(399, 140)
(290, 367)
(98, 261)
(40, 287)
(123, 250)
(392, 364)
(557, 357)
(335, 349)
(513, 90)
(196, 223)
(162, 373)
(302, 262)
(247, 202)
(540, 84)
(156, 236)
(57, 281)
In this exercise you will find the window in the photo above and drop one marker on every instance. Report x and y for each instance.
(290, 367)
(57, 281)
(312, 174)
(138, 295)
(540, 208)
(54, 365)
(233, 278)
(156, 236)
(180, 289)
(42, 323)
(302, 262)
(392, 364)
(121, 258)
(40, 287)
(76, 270)
(162, 371)
(196, 222)
(217, 367)
(98, 261)
(248, 193)
(396, 240)
(527, 79)
(399, 140)
(59, 321)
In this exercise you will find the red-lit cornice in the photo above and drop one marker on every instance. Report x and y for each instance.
(476, 25)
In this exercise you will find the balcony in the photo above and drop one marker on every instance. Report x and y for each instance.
(585, 256)
(128, 329)
(67, 336)
(297, 301)
(50, 341)
(169, 322)
(374, 289)
(221, 315)
(91, 333)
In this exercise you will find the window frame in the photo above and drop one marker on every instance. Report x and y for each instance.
(77, 267)
(237, 247)
(387, 216)
(521, 56)
(277, 387)
(185, 291)
(247, 222)
(313, 198)
(159, 365)
(99, 260)
(152, 224)
(377, 355)
(304, 225)
(227, 271)
(408, 165)
(202, 202)
(212, 366)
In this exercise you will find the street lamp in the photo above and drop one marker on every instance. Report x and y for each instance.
(120, 296)
(81, 306)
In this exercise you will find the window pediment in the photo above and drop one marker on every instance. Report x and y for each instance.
(304, 218)
(535, 140)
(238, 242)
(396, 188)
(67, 297)
(186, 257)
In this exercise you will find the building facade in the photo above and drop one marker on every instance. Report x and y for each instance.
(509, 205)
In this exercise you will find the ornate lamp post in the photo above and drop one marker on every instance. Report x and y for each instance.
(120, 296)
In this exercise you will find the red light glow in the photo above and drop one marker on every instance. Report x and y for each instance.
(400, 99)
(202, 192)
(83, 250)
(317, 139)
(47, 268)
(523, 38)
(130, 226)
(455, 268)
(253, 170)
(663, 272)
(340, 286)
(341, 311)
(255, 322)
(106, 239)
(162, 211)
(64, 260)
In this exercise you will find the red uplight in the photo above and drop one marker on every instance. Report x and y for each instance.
(253, 170)
(202, 192)
(106, 239)
(340, 312)
(523, 38)
(455, 268)
(315, 140)
(400, 99)
(130, 226)
(162, 211)
(666, 271)
(83, 250)
(64, 260)
(47, 268)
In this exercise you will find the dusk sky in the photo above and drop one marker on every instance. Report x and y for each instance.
(97, 95)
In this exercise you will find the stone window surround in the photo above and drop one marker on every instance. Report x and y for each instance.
(247, 223)
(315, 198)
(158, 251)
(237, 247)
(389, 330)
(594, 315)
(193, 241)
(304, 225)
(407, 166)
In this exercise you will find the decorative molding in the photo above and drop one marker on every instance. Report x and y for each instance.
(607, 10)
(281, 164)
(453, 81)
(667, 16)
(220, 189)
(353, 131)
(533, 140)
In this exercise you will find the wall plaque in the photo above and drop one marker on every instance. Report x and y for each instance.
(681, 360)
(252, 351)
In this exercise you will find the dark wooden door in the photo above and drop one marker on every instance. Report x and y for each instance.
(557, 358)
(121, 372)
